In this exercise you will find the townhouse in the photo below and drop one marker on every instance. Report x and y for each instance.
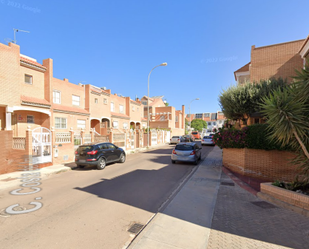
(43, 119)
(273, 61)
(214, 120)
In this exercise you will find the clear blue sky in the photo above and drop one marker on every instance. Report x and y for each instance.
(116, 43)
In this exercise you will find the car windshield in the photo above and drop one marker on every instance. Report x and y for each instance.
(184, 147)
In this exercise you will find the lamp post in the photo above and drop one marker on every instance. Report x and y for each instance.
(163, 64)
(190, 109)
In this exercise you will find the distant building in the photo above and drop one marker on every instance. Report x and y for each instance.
(214, 120)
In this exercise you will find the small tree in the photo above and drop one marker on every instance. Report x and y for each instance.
(198, 124)
(287, 114)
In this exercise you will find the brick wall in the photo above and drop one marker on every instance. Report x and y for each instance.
(278, 60)
(9, 158)
(265, 165)
(37, 88)
(10, 76)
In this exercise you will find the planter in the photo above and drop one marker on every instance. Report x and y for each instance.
(267, 165)
(300, 202)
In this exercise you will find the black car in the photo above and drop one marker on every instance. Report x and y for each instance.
(99, 154)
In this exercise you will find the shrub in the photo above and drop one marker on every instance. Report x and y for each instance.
(251, 137)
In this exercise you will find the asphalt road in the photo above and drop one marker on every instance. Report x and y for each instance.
(88, 208)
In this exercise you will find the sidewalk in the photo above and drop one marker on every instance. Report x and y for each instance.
(212, 211)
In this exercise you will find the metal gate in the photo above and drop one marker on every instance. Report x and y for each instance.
(41, 145)
(132, 139)
(154, 137)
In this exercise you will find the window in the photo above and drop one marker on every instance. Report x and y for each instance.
(206, 115)
(57, 97)
(199, 115)
(96, 101)
(75, 100)
(144, 102)
(28, 79)
(133, 108)
(112, 106)
(30, 119)
(214, 123)
(115, 124)
(121, 110)
(209, 123)
(60, 123)
(81, 124)
(176, 118)
(220, 121)
(125, 125)
(162, 118)
(105, 101)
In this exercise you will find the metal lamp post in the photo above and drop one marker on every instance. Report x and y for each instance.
(190, 109)
(163, 64)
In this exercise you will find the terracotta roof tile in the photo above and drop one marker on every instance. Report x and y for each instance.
(69, 108)
(119, 115)
(31, 62)
(34, 100)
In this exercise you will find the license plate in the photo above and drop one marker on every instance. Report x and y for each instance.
(82, 161)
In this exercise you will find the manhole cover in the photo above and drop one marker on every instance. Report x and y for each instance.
(263, 204)
(227, 183)
(135, 228)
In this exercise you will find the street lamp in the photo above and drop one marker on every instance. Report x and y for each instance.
(163, 64)
(190, 110)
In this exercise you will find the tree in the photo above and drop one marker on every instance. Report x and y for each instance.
(287, 114)
(240, 102)
(198, 124)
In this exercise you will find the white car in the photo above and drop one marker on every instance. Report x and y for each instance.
(207, 140)
(176, 139)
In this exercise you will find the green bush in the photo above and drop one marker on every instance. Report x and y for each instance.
(251, 137)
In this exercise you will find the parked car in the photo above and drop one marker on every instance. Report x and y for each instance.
(188, 138)
(176, 139)
(211, 134)
(98, 154)
(207, 140)
(196, 134)
(186, 152)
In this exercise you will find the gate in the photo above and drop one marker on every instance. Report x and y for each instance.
(41, 145)
(154, 137)
(132, 139)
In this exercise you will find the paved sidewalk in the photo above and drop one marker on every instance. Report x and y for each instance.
(211, 211)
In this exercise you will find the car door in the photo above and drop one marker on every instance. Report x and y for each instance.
(112, 152)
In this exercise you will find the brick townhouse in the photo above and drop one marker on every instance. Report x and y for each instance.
(164, 117)
(214, 120)
(45, 118)
(273, 61)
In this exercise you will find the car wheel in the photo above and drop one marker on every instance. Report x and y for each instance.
(196, 161)
(101, 164)
(173, 161)
(122, 158)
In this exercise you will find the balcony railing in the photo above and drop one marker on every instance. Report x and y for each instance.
(19, 143)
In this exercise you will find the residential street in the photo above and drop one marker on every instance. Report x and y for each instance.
(88, 208)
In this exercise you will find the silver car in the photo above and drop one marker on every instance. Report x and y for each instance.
(207, 140)
(187, 152)
(176, 139)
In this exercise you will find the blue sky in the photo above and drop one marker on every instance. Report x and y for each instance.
(116, 43)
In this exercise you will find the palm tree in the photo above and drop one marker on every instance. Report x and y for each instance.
(287, 113)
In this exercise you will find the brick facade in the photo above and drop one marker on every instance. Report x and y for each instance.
(72, 113)
(261, 164)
